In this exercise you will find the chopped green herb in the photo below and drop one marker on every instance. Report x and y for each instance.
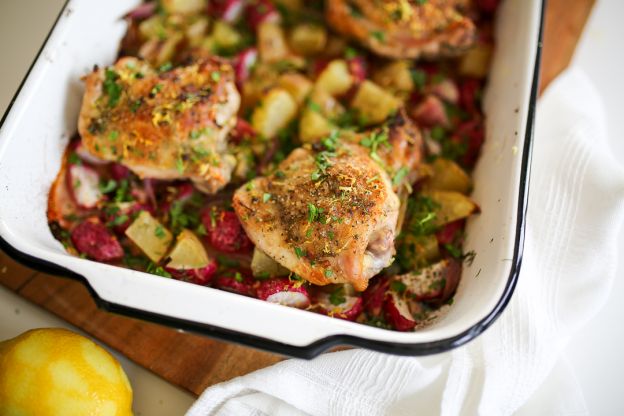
(299, 252)
(108, 186)
(266, 197)
(314, 106)
(398, 286)
(379, 35)
(134, 105)
(263, 275)
(328, 273)
(399, 176)
(453, 250)
(119, 220)
(337, 297)
(312, 213)
(111, 87)
(167, 66)
(280, 175)
(160, 232)
(350, 52)
(215, 75)
(309, 232)
(227, 262)
(157, 270)
(238, 277)
(74, 159)
(112, 136)
(419, 78)
(201, 230)
(156, 89)
(180, 165)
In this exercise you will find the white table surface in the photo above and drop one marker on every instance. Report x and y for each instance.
(596, 352)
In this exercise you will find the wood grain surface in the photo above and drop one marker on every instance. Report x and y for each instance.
(194, 362)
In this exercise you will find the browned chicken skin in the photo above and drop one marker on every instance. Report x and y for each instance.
(327, 215)
(404, 28)
(167, 125)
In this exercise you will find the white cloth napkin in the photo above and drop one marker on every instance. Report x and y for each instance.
(576, 207)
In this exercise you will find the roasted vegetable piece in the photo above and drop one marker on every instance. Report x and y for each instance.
(476, 62)
(188, 252)
(83, 183)
(314, 126)
(414, 251)
(183, 6)
(373, 103)
(224, 231)
(199, 276)
(263, 266)
(277, 109)
(284, 292)
(236, 282)
(430, 112)
(272, 45)
(451, 206)
(335, 79)
(448, 176)
(436, 283)
(93, 239)
(395, 77)
(308, 39)
(373, 297)
(397, 312)
(150, 236)
(297, 85)
(339, 305)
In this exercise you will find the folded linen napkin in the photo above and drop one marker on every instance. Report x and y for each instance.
(576, 207)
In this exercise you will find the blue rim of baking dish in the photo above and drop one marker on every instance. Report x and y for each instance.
(312, 350)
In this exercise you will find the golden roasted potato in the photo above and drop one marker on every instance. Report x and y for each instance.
(448, 176)
(225, 36)
(308, 39)
(276, 110)
(476, 62)
(313, 126)
(335, 79)
(297, 85)
(150, 236)
(452, 206)
(183, 6)
(188, 252)
(373, 103)
(53, 371)
(415, 252)
(264, 266)
(272, 46)
(324, 103)
(395, 76)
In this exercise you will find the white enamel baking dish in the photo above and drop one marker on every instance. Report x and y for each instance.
(43, 116)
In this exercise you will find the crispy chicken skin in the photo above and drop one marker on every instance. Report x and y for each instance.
(327, 215)
(163, 125)
(404, 28)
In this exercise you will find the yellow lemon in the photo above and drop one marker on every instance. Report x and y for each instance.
(57, 372)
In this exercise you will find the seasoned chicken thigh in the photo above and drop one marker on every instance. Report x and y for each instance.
(164, 125)
(327, 214)
(404, 28)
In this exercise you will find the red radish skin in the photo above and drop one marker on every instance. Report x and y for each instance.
(241, 131)
(318, 66)
(243, 63)
(430, 112)
(93, 239)
(468, 90)
(83, 183)
(261, 11)
(472, 135)
(284, 292)
(447, 90)
(119, 172)
(225, 232)
(488, 6)
(358, 68)
(398, 314)
(227, 10)
(243, 285)
(349, 310)
(450, 232)
(434, 284)
(201, 276)
(143, 11)
(373, 297)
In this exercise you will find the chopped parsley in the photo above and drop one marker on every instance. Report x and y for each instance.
(266, 197)
(419, 78)
(156, 89)
(299, 252)
(313, 213)
(108, 186)
(215, 76)
(111, 87)
(379, 35)
(157, 270)
(74, 159)
(453, 250)
(180, 165)
(167, 66)
(328, 273)
(160, 232)
(112, 136)
(337, 297)
(399, 176)
(398, 286)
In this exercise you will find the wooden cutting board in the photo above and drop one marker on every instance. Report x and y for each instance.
(194, 362)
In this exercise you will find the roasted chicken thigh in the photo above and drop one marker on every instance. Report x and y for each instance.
(404, 28)
(327, 214)
(165, 125)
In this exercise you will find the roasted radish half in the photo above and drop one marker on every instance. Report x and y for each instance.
(338, 304)
(397, 313)
(434, 284)
(83, 183)
(236, 282)
(284, 292)
(93, 239)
